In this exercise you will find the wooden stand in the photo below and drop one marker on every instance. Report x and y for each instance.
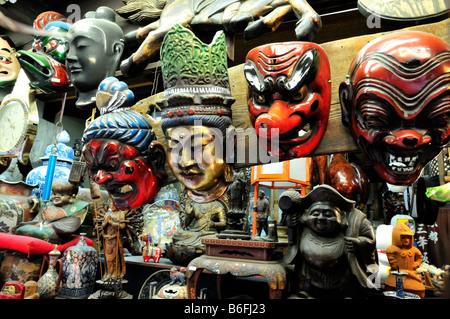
(240, 258)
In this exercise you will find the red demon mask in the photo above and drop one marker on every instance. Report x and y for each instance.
(289, 94)
(396, 103)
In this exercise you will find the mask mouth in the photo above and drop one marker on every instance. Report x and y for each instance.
(402, 163)
(297, 135)
(120, 191)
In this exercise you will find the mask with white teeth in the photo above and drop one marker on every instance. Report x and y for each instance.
(396, 103)
(289, 95)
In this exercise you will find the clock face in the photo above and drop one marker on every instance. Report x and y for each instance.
(13, 125)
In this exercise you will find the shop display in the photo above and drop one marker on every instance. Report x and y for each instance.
(395, 103)
(331, 244)
(404, 257)
(96, 44)
(253, 18)
(179, 155)
(58, 219)
(122, 154)
(289, 95)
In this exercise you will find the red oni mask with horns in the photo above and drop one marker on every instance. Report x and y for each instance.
(396, 103)
(289, 94)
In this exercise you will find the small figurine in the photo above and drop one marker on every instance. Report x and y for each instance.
(177, 276)
(150, 251)
(13, 289)
(395, 103)
(58, 219)
(262, 209)
(289, 95)
(31, 288)
(404, 257)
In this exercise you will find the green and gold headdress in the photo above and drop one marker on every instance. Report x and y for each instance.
(196, 84)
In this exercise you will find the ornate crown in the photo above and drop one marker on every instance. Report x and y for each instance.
(195, 76)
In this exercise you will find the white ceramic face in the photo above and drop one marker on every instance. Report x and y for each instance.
(12, 124)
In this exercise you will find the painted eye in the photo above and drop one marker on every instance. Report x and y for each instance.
(259, 98)
(300, 94)
(374, 122)
(4, 59)
(129, 170)
(50, 46)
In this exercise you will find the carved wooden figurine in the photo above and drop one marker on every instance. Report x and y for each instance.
(404, 257)
(331, 244)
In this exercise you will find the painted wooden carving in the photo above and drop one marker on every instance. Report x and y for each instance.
(120, 149)
(404, 257)
(289, 95)
(395, 103)
(253, 17)
(196, 112)
(45, 63)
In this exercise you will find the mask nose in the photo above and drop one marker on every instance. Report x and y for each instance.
(102, 177)
(407, 139)
(277, 121)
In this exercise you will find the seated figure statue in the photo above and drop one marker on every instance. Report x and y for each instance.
(58, 219)
(198, 220)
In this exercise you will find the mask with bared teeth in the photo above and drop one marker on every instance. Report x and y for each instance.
(396, 103)
(123, 156)
(288, 96)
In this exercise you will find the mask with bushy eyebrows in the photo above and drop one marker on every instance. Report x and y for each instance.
(396, 103)
(289, 94)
